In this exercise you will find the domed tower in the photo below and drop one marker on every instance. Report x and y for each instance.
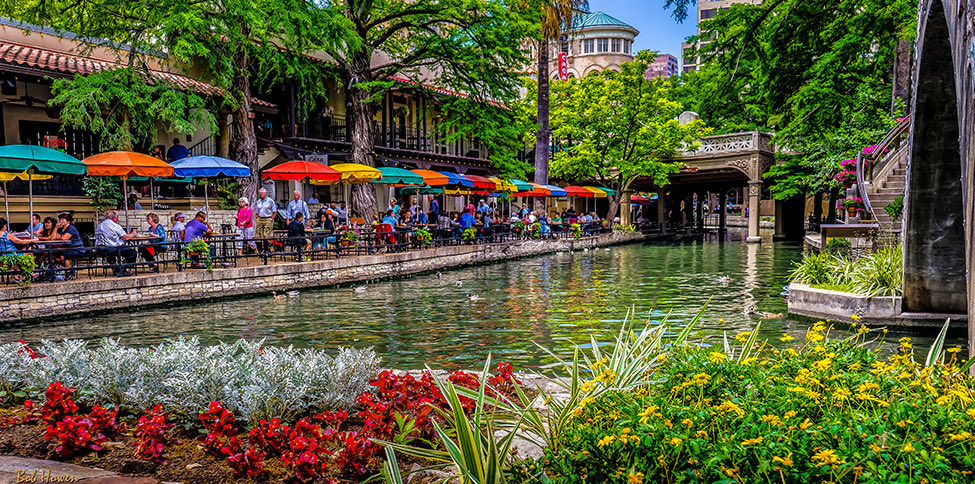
(595, 42)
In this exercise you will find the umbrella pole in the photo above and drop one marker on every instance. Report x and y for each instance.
(125, 200)
(206, 196)
(152, 194)
(30, 196)
(6, 201)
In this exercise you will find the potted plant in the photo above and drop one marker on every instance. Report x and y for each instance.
(349, 238)
(423, 236)
(519, 227)
(846, 177)
(576, 230)
(194, 250)
(469, 234)
(852, 205)
(25, 263)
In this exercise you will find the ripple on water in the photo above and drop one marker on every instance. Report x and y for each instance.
(557, 300)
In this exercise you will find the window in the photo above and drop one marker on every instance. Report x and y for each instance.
(626, 46)
(588, 46)
(565, 47)
(602, 45)
(617, 45)
(709, 13)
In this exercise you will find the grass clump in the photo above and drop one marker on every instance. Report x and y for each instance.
(879, 274)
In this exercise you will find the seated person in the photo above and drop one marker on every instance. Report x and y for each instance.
(296, 232)
(111, 237)
(326, 223)
(466, 221)
(179, 226)
(197, 228)
(75, 248)
(7, 247)
(48, 231)
(149, 252)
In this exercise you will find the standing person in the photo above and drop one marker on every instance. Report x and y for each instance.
(414, 208)
(434, 209)
(149, 252)
(394, 206)
(35, 225)
(76, 247)
(177, 151)
(342, 213)
(483, 207)
(469, 208)
(112, 237)
(264, 209)
(296, 206)
(245, 225)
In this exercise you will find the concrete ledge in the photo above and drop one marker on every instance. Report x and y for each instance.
(819, 303)
(78, 297)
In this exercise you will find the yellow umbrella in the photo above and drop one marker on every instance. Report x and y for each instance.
(5, 177)
(504, 185)
(457, 191)
(356, 173)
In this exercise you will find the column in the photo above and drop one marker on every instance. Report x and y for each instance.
(625, 208)
(662, 210)
(723, 214)
(700, 211)
(780, 231)
(754, 199)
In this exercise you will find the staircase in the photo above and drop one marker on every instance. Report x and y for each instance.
(887, 186)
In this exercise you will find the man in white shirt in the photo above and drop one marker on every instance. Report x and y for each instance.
(264, 210)
(111, 237)
(297, 205)
(343, 213)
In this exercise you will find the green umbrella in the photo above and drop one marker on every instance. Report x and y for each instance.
(398, 176)
(522, 186)
(38, 159)
(424, 190)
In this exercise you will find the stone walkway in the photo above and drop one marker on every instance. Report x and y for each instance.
(15, 470)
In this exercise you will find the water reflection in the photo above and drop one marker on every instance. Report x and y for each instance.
(557, 300)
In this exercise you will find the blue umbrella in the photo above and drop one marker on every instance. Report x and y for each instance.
(556, 191)
(459, 180)
(206, 166)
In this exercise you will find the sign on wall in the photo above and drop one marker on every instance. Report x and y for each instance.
(563, 66)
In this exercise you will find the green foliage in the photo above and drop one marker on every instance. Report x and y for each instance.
(424, 236)
(351, 236)
(124, 106)
(498, 129)
(615, 127)
(576, 230)
(896, 208)
(469, 234)
(877, 275)
(228, 193)
(102, 192)
(200, 248)
(25, 263)
(816, 72)
(837, 243)
(831, 410)
(624, 227)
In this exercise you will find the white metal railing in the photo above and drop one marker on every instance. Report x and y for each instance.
(732, 143)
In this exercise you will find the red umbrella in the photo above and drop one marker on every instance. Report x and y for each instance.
(481, 182)
(575, 191)
(300, 169)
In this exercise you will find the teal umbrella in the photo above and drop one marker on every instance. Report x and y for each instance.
(38, 159)
(150, 179)
(398, 176)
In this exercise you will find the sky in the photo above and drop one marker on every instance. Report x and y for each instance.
(658, 29)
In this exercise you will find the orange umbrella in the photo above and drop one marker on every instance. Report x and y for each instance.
(536, 191)
(432, 178)
(124, 164)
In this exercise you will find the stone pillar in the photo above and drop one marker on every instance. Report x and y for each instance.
(754, 203)
(626, 209)
(662, 210)
(222, 136)
(779, 220)
(700, 211)
(723, 214)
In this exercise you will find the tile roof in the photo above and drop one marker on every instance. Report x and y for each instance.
(584, 20)
(446, 92)
(67, 63)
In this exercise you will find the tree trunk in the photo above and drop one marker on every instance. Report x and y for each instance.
(902, 76)
(614, 203)
(831, 208)
(542, 137)
(243, 140)
(363, 136)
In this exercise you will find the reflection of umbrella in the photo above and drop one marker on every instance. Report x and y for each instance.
(392, 175)
(5, 177)
(206, 166)
(432, 178)
(125, 164)
(38, 159)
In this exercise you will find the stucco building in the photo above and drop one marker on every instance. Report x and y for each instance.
(595, 42)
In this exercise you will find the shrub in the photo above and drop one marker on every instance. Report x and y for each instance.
(877, 275)
(249, 380)
(896, 208)
(831, 410)
(75, 434)
(576, 230)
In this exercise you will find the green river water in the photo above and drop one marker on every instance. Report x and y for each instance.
(556, 300)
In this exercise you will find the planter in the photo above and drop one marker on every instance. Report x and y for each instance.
(346, 243)
(848, 185)
(851, 212)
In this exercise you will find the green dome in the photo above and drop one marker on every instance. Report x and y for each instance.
(584, 20)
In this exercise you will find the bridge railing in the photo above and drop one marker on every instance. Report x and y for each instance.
(731, 143)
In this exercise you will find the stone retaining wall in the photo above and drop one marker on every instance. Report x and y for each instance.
(76, 297)
(819, 303)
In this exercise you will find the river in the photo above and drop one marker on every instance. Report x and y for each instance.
(556, 301)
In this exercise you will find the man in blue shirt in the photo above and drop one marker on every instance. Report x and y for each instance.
(482, 207)
(434, 209)
(466, 221)
(177, 151)
(297, 205)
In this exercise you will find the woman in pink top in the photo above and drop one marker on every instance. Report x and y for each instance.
(470, 207)
(245, 226)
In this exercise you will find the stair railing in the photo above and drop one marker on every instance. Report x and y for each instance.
(893, 137)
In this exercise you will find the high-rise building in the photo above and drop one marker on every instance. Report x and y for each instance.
(706, 9)
(665, 65)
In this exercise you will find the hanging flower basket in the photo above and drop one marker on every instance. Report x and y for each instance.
(853, 205)
(846, 177)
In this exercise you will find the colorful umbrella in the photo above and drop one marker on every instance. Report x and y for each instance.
(297, 170)
(503, 186)
(536, 191)
(125, 164)
(205, 166)
(38, 159)
(415, 190)
(393, 176)
(575, 191)
(5, 177)
(357, 173)
(596, 192)
(459, 180)
(481, 183)
(556, 191)
(432, 178)
(521, 186)
(639, 200)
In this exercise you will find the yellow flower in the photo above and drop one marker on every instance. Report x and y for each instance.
(786, 338)
(875, 448)
(607, 440)
(729, 407)
(700, 434)
(826, 457)
(970, 412)
(742, 337)
(786, 461)
(908, 448)
(841, 394)
(635, 478)
(790, 414)
(954, 349)
(863, 329)
(824, 364)
(756, 440)
(904, 423)
(647, 413)
(687, 422)
(692, 461)
(805, 424)
(716, 357)
(813, 337)
(675, 442)
(962, 436)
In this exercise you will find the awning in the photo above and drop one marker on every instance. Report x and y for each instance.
(481, 182)
(503, 186)
(432, 178)
(596, 192)
(356, 173)
(521, 186)
(459, 180)
(556, 191)
(456, 191)
(393, 175)
(296, 170)
(575, 191)
(5, 177)
(164, 179)
(126, 164)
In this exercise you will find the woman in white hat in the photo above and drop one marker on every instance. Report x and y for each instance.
(245, 226)
(179, 226)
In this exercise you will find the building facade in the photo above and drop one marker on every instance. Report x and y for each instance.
(595, 42)
(706, 10)
(665, 65)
